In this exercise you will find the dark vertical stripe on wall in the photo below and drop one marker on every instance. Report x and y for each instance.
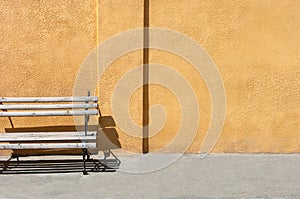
(146, 79)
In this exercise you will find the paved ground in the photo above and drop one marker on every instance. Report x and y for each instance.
(216, 176)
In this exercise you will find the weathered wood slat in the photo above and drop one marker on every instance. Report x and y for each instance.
(48, 113)
(49, 146)
(80, 133)
(47, 106)
(47, 136)
(49, 99)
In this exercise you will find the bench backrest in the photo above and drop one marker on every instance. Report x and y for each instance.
(48, 106)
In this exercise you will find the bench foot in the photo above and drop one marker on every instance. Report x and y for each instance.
(85, 157)
(85, 173)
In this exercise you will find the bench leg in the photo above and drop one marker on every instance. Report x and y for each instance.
(13, 156)
(84, 162)
(116, 158)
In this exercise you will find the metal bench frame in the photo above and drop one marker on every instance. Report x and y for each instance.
(84, 106)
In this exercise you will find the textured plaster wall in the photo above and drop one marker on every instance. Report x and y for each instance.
(256, 45)
(115, 17)
(42, 44)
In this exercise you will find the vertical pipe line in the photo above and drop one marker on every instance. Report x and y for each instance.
(146, 78)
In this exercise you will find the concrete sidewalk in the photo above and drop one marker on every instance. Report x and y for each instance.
(216, 176)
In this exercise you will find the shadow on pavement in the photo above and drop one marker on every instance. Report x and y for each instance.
(57, 166)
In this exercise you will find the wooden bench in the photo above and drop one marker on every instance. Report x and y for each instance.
(50, 106)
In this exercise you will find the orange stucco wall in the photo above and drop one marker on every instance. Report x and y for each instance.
(255, 44)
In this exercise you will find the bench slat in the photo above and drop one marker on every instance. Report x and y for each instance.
(47, 106)
(49, 113)
(49, 99)
(81, 133)
(47, 136)
(49, 146)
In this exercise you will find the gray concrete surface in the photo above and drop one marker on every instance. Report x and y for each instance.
(216, 176)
